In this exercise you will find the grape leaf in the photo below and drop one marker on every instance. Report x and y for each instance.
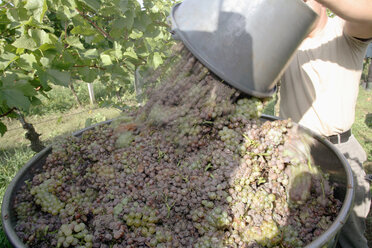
(15, 98)
(7, 58)
(129, 20)
(26, 43)
(45, 61)
(35, 101)
(94, 4)
(83, 30)
(59, 77)
(26, 61)
(40, 37)
(38, 7)
(90, 53)
(123, 5)
(88, 74)
(3, 129)
(75, 42)
(155, 60)
(17, 14)
(106, 60)
(131, 53)
(25, 87)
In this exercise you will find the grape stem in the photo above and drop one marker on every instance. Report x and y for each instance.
(169, 206)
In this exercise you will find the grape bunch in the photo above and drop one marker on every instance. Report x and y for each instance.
(196, 171)
(74, 235)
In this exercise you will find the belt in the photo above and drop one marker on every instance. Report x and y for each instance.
(340, 137)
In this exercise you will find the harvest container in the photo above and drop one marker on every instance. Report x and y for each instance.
(248, 44)
(323, 152)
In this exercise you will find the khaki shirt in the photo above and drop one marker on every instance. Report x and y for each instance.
(319, 88)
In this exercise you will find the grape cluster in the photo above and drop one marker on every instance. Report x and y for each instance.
(44, 197)
(74, 235)
(194, 167)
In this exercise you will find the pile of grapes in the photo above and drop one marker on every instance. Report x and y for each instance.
(194, 167)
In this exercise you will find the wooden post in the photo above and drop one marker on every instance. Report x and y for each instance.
(91, 93)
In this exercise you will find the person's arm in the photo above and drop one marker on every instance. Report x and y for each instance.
(356, 13)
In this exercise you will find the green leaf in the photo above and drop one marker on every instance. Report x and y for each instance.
(65, 62)
(38, 8)
(45, 61)
(136, 34)
(68, 13)
(59, 77)
(25, 87)
(3, 129)
(106, 59)
(32, 22)
(156, 60)
(131, 53)
(6, 59)
(45, 47)
(142, 22)
(152, 31)
(17, 14)
(117, 28)
(74, 42)
(26, 61)
(94, 4)
(155, 9)
(117, 53)
(33, 4)
(40, 37)
(8, 80)
(123, 5)
(129, 20)
(15, 98)
(130, 65)
(83, 30)
(25, 42)
(87, 74)
(36, 101)
(89, 54)
(43, 77)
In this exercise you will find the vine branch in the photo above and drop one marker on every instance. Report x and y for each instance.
(90, 66)
(7, 113)
(106, 35)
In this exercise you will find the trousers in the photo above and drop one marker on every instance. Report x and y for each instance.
(352, 233)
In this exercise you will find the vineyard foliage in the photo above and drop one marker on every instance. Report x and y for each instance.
(53, 42)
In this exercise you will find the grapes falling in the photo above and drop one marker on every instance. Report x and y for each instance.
(194, 167)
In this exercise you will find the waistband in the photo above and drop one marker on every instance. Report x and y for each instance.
(339, 138)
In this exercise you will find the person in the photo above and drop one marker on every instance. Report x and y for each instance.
(319, 89)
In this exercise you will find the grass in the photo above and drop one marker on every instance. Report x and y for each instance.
(52, 125)
(362, 127)
(14, 151)
(10, 163)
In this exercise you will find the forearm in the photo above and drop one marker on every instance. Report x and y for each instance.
(357, 11)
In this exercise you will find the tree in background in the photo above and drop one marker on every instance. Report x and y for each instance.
(52, 42)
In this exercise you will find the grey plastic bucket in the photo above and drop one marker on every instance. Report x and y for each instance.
(248, 44)
(323, 152)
